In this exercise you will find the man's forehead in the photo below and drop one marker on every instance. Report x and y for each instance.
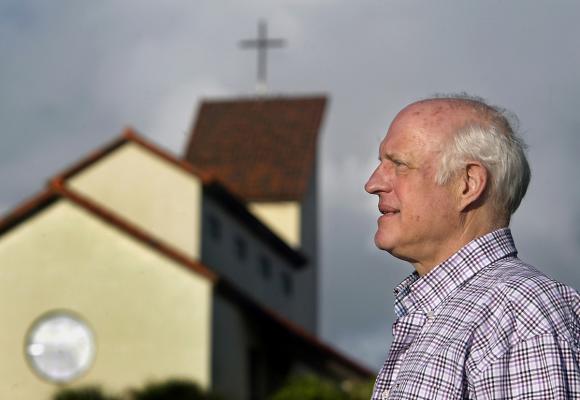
(422, 126)
(436, 112)
(436, 118)
(448, 111)
(404, 144)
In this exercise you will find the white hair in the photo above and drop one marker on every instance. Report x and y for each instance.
(494, 144)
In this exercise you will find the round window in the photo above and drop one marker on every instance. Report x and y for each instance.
(60, 346)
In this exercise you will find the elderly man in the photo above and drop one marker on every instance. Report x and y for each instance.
(473, 321)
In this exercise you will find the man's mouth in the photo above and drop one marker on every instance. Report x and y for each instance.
(388, 210)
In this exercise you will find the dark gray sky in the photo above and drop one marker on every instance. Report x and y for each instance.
(74, 73)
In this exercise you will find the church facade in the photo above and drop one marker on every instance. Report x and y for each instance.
(136, 265)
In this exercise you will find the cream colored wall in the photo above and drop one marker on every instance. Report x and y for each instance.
(148, 191)
(283, 218)
(151, 316)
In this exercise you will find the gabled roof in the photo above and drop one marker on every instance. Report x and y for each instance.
(57, 189)
(262, 149)
(212, 186)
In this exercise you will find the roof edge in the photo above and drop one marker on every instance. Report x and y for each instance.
(58, 186)
(129, 135)
(134, 137)
(273, 97)
(229, 199)
(240, 211)
(229, 289)
(92, 157)
(27, 209)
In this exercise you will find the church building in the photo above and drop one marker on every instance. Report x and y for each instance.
(134, 265)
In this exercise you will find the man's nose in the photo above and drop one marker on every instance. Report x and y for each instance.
(378, 181)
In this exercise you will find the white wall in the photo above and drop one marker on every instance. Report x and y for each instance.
(151, 316)
(149, 192)
(283, 218)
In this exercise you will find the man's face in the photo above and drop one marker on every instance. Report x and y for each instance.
(418, 216)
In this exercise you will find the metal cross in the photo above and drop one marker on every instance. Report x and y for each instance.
(262, 43)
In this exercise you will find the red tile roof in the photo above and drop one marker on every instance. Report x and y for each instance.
(260, 148)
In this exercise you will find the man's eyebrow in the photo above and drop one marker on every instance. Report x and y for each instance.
(393, 156)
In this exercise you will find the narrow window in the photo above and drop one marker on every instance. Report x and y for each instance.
(241, 248)
(287, 283)
(215, 227)
(265, 267)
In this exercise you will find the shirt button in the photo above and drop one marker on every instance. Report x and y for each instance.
(385, 394)
(430, 314)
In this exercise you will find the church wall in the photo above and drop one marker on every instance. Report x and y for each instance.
(283, 218)
(273, 285)
(307, 279)
(230, 351)
(151, 317)
(149, 192)
(252, 357)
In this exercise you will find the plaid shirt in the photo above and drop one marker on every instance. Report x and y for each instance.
(483, 325)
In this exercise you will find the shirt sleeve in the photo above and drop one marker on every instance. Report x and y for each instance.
(543, 367)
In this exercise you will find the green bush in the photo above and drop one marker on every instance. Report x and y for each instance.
(173, 389)
(308, 387)
(85, 393)
(359, 390)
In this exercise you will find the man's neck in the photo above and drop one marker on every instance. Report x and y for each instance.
(471, 228)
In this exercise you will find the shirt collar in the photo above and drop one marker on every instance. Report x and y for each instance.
(427, 292)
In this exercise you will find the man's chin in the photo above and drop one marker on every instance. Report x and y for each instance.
(390, 247)
(383, 243)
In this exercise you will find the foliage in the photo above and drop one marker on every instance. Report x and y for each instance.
(85, 393)
(304, 387)
(173, 389)
(358, 390)
(309, 387)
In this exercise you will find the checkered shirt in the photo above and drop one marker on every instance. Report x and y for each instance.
(483, 325)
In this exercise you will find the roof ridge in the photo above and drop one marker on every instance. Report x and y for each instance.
(129, 134)
(261, 98)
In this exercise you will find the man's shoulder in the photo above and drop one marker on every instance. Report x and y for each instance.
(516, 284)
(519, 307)
(510, 287)
(516, 302)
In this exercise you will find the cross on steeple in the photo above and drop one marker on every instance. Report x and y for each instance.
(262, 43)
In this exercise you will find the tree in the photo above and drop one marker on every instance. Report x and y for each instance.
(84, 393)
(173, 389)
(310, 387)
(358, 390)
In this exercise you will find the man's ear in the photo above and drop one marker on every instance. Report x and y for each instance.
(473, 181)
